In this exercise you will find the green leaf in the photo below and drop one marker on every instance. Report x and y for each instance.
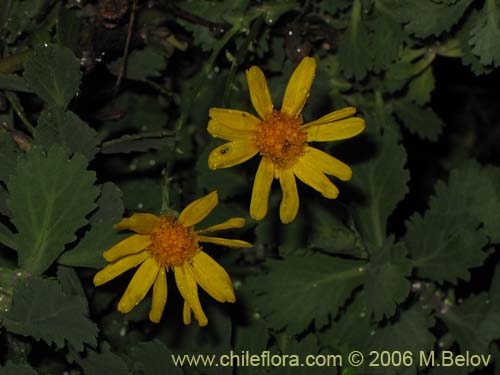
(13, 82)
(68, 29)
(386, 284)
(47, 217)
(485, 36)
(382, 180)
(152, 358)
(427, 17)
(141, 65)
(354, 331)
(329, 233)
(298, 351)
(354, 53)
(474, 190)
(7, 237)
(474, 324)
(423, 122)
(54, 74)
(253, 336)
(410, 332)
(11, 368)
(445, 245)
(387, 36)
(463, 35)
(139, 143)
(9, 153)
(40, 309)
(421, 87)
(105, 362)
(351, 330)
(70, 281)
(101, 236)
(446, 242)
(301, 290)
(56, 126)
(20, 15)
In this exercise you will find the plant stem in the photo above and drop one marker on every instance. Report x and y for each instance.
(14, 102)
(13, 63)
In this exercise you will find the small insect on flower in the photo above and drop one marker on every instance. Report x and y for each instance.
(167, 243)
(282, 140)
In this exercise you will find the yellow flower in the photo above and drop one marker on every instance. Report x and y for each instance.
(282, 141)
(164, 243)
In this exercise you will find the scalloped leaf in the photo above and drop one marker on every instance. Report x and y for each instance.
(382, 180)
(474, 324)
(424, 18)
(47, 217)
(386, 281)
(485, 35)
(101, 236)
(56, 126)
(42, 310)
(301, 290)
(449, 238)
(53, 72)
(354, 53)
(421, 121)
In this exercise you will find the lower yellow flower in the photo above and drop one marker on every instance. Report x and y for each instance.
(282, 141)
(164, 243)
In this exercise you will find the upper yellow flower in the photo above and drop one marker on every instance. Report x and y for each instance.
(163, 243)
(282, 141)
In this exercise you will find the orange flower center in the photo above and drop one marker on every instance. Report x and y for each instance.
(172, 243)
(281, 138)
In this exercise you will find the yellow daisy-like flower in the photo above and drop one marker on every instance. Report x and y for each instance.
(282, 140)
(164, 243)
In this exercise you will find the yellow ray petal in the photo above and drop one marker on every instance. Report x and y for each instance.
(311, 176)
(128, 246)
(235, 222)
(139, 285)
(141, 223)
(290, 202)
(232, 124)
(229, 133)
(117, 268)
(186, 313)
(225, 241)
(259, 92)
(159, 296)
(298, 87)
(212, 278)
(327, 163)
(261, 188)
(199, 209)
(189, 291)
(333, 116)
(231, 153)
(334, 131)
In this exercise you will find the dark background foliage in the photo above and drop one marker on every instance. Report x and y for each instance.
(103, 112)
